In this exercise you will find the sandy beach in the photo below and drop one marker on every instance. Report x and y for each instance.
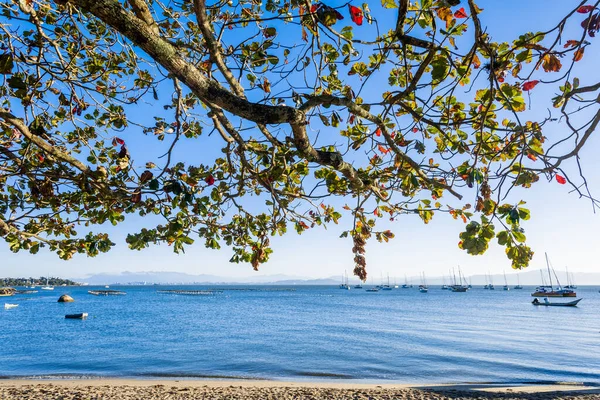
(124, 389)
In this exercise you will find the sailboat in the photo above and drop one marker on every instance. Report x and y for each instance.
(550, 291)
(518, 283)
(423, 288)
(505, 287)
(372, 289)
(444, 286)
(458, 285)
(406, 285)
(387, 287)
(47, 287)
(344, 285)
(491, 285)
(570, 280)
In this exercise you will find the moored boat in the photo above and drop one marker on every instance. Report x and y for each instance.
(77, 316)
(549, 290)
(8, 306)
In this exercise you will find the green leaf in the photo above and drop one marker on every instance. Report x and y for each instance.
(6, 63)
(389, 4)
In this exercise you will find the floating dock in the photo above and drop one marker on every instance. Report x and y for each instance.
(191, 292)
(106, 292)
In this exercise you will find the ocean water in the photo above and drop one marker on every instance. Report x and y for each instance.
(307, 333)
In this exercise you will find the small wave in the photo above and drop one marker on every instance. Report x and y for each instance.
(185, 375)
(322, 374)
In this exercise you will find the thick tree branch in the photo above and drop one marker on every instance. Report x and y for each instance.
(142, 11)
(41, 143)
(112, 13)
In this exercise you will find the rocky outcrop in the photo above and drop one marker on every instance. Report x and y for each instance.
(65, 298)
(7, 291)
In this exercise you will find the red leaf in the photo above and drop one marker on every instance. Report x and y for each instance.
(415, 129)
(532, 156)
(561, 179)
(378, 132)
(314, 7)
(585, 9)
(578, 54)
(571, 43)
(356, 14)
(527, 86)
(120, 141)
(460, 13)
(40, 157)
(383, 149)
(210, 180)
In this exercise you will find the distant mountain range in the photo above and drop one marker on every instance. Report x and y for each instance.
(530, 277)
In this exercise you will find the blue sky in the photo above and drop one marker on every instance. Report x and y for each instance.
(561, 224)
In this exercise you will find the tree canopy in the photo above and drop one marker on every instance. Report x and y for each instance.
(325, 113)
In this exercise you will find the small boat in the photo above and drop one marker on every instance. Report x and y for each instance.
(77, 316)
(423, 290)
(373, 289)
(359, 286)
(536, 302)
(8, 306)
(505, 287)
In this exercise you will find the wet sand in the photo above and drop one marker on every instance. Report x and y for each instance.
(125, 389)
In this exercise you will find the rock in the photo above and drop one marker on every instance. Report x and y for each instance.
(65, 298)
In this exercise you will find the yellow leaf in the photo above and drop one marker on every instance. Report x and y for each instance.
(445, 14)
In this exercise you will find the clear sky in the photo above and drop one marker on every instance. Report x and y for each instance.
(561, 224)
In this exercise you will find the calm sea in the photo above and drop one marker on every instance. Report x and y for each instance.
(307, 333)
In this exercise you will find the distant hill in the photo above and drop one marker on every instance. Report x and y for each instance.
(152, 277)
(529, 277)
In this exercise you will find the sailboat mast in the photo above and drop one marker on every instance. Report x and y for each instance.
(549, 274)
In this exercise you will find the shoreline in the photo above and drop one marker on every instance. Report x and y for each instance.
(478, 390)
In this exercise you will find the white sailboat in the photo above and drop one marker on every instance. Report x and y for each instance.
(47, 287)
(505, 287)
(423, 288)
